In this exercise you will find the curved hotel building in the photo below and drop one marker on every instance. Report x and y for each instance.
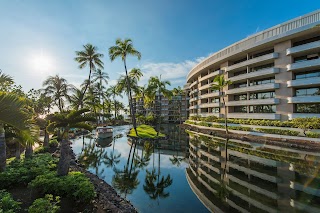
(275, 74)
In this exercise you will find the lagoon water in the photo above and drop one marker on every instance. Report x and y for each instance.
(184, 173)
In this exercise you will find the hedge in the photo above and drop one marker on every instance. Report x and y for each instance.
(278, 131)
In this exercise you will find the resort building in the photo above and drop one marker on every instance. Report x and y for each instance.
(275, 74)
(172, 109)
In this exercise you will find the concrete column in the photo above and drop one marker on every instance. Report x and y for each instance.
(283, 108)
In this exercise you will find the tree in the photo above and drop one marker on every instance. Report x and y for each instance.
(156, 85)
(57, 88)
(11, 113)
(121, 50)
(178, 92)
(65, 121)
(113, 91)
(219, 83)
(89, 57)
(77, 99)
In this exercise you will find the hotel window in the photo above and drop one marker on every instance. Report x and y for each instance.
(266, 66)
(262, 95)
(308, 108)
(215, 110)
(306, 41)
(240, 85)
(308, 92)
(240, 97)
(240, 73)
(310, 74)
(241, 109)
(262, 109)
(306, 57)
(262, 81)
(215, 100)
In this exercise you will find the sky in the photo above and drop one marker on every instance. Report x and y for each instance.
(39, 38)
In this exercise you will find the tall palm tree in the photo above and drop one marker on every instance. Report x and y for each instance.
(89, 57)
(100, 77)
(156, 85)
(57, 88)
(11, 113)
(179, 92)
(65, 121)
(121, 50)
(5, 81)
(219, 83)
(77, 100)
(113, 91)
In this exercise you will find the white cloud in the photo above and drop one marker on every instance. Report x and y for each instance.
(176, 73)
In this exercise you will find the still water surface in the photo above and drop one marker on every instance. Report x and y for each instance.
(186, 173)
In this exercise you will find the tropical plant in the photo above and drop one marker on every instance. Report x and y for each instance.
(113, 91)
(57, 88)
(65, 121)
(89, 57)
(121, 50)
(219, 83)
(178, 92)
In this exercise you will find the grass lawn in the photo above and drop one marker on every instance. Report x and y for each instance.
(145, 131)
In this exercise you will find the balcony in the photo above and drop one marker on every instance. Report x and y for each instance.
(268, 116)
(206, 105)
(304, 99)
(256, 88)
(304, 48)
(206, 114)
(304, 82)
(261, 73)
(209, 95)
(304, 65)
(193, 91)
(303, 115)
(194, 107)
(218, 72)
(194, 99)
(253, 61)
(253, 102)
(205, 86)
(192, 84)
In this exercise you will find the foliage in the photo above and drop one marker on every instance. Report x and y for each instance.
(204, 124)
(313, 135)
(306, 123)
(145, 131)
(48, 204)
(75, 186)
(40, 149)
(53, 142)
(25, 170)
(278, 131)
(7, 203)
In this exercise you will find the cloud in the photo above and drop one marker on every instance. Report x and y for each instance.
(176, 73)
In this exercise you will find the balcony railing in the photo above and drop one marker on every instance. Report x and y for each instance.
(206, 105)
(253, 102)
(304, 99)
(256, 88)
(218, 72)
(304, 48)
(304, 82)
(253, 61)
(304, 65)
(260, 73)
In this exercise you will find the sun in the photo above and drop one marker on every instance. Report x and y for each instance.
(42, 63)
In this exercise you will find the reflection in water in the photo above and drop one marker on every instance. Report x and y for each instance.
(263, 179)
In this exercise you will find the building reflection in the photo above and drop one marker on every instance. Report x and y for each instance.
(259, 178)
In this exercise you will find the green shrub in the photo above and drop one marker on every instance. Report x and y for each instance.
(190, 122)
(278, 131)
(202, 123)
(210, 119)
(241, 128)
(313, 135)
(7, 203)
(218, 126)
(41, 149)
(306, 123)
(47, 204)
(75, 186)
(24, 170)
(53, 142)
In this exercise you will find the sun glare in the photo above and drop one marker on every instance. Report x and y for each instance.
(42, 63)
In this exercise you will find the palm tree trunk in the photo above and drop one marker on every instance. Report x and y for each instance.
(29, 151)
(3, 151)
(18, 153)
(89, 79)
(115, 108)
(133, 117)
(225, 115)
(46, 139)
(159, 121)
(64, 160)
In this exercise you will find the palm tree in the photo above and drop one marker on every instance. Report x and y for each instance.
(58, 89)
(65, 121)
(77, 99)
(5, 81)
(113, 91)
(89, 57)
(156, 85)
(122, 49)
(100, 77)
(219, 83)
(11, 113)
(179, 92)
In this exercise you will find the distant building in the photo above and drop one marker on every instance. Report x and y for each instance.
(173, 109)
(275, 74)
